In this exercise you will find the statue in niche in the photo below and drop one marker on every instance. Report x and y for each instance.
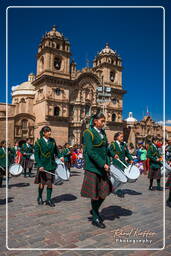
(49, 94)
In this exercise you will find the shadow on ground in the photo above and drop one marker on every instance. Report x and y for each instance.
(64, 197)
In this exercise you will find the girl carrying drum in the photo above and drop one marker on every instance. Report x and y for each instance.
(45, 152)
(96, 184)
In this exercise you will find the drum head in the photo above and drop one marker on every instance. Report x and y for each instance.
(132, 172)
(167, 166)
(32, 157)
(15, 169)
(62, 172)
(118, 174)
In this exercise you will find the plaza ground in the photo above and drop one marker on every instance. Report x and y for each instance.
(135, 221)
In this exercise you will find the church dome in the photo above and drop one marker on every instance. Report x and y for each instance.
(107, 50)
(25, 88)
(130, 118)
(53, 33)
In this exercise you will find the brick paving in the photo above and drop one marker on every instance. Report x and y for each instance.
(68, 224)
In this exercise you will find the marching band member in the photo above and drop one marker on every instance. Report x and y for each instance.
(67, 156)
(27, 151)
(13, 151)
(118, 150)
(96, 184)
(45, 152)
(3, 151)
(2, 160)
(155, 164)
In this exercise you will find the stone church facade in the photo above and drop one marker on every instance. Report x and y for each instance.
(63, 97)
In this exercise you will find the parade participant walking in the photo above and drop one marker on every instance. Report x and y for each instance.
(3, 151)
(67, 156)
(143, 158)
(27, 151)
(96, 184)
(155, 164)
(118, 150)
(13, 151)
(2, 160)
(45, 152)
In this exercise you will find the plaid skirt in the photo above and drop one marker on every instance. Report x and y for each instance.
(154, 173)
(44, 178)
(27, 163)
(95, 186)
(168, 183)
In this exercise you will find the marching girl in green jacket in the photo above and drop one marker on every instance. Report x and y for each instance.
(67, 156)
(96, 184)
(45, 152)
(3, 152)
(155, 164)
(118, 150)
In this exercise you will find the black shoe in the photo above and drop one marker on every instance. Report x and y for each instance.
(100, 218)
(159, 189)
(30, 175)
(98, 223)
(168, 203)
(40, 201)
(50, 203)
(150, 188)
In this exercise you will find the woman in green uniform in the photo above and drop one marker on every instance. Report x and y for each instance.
(45, 152)
(155, 164)
(118, 150)
(96, 184)
(2, 160)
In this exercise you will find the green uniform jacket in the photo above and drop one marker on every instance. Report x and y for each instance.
(27, 150)
(95, 151)
(13, 153)
(153, 154)
(66, 154)
(45, 154)
(122, 152)
(2, 158)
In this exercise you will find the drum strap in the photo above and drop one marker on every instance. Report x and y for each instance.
(92, 135)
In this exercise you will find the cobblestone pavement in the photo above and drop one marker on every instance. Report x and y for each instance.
(68, 224)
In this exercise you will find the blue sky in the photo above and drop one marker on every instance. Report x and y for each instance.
(135, 33)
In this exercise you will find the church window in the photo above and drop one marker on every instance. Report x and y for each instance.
(112, 76)
(56, 111)
(87, 109)
(114, 100)
(57, 63)
(113, 117)
(58, 91)
(41, 63)
(24, 123)
(54, 45)
(58, 46)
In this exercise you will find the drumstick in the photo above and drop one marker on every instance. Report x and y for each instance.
(122, 163)
(48, 172)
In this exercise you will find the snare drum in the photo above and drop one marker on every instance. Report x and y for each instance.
(32, 157)
(15, 170)
(61, 170)
(167, 169)
(132, 173)
(117, 177)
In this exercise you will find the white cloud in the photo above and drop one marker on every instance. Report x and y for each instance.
(168, 121)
